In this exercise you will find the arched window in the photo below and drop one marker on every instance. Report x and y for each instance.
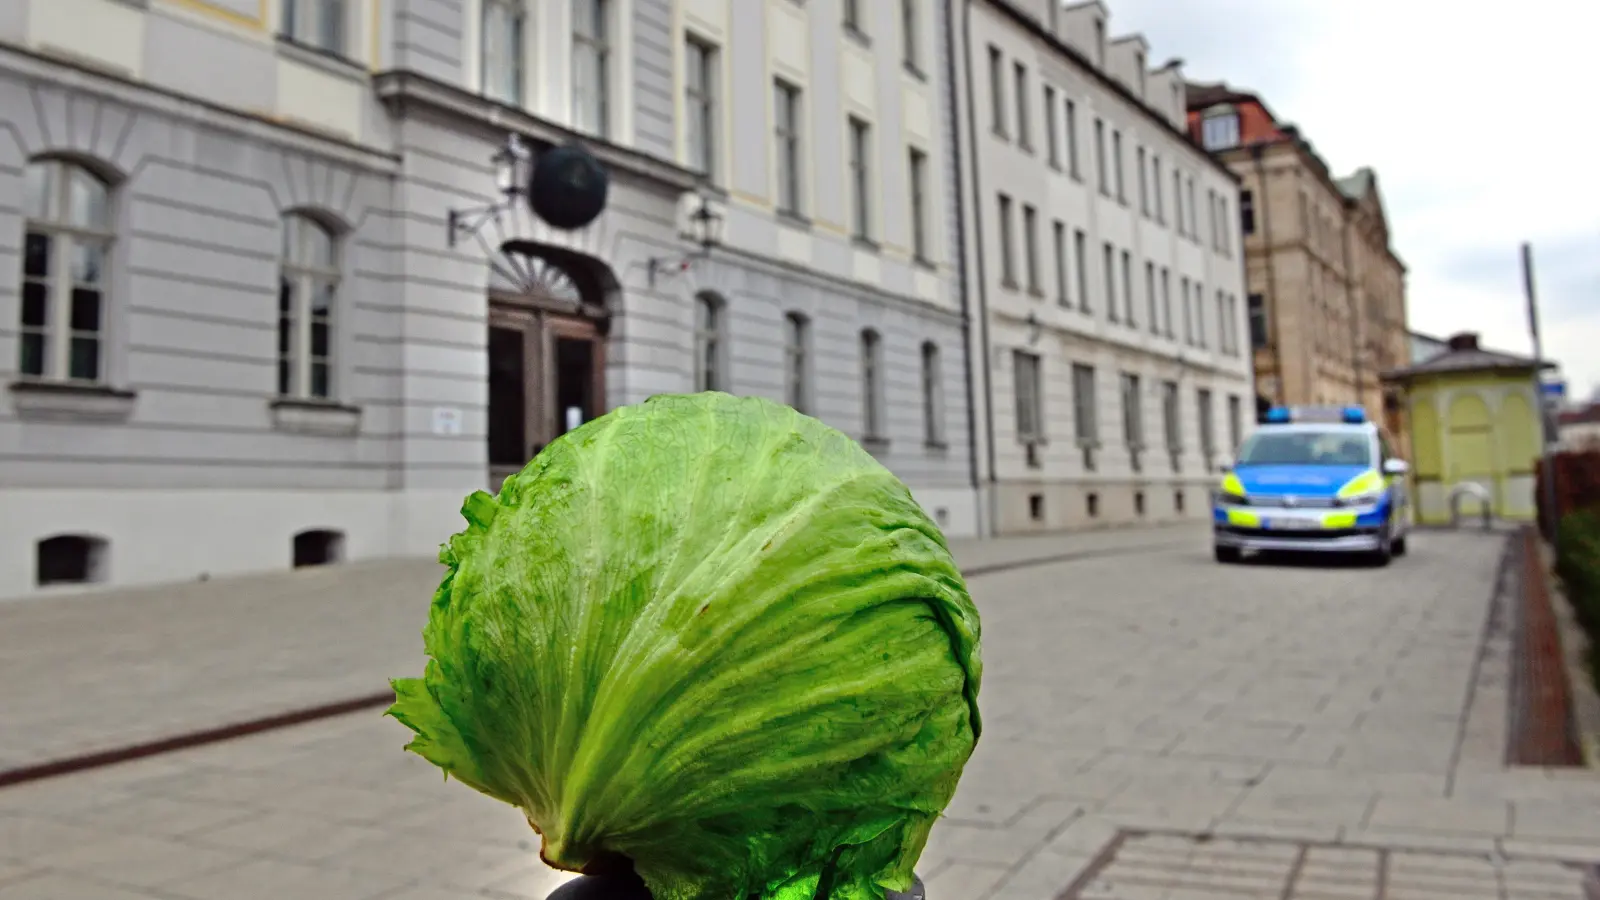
(308, 286)
(872, 412)
(797, 367)
(66, 256)
(708, 343)
(501, 42)
(932, 395)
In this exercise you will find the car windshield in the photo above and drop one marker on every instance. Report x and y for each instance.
(1306, 448)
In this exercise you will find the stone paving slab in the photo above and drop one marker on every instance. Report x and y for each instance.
(90, 672)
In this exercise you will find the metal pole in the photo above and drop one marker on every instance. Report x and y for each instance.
(1545, 442)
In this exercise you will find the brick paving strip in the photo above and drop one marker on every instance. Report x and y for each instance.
(101, 678)
(1544, 730)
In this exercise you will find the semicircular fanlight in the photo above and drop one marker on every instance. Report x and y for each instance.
(532, 274)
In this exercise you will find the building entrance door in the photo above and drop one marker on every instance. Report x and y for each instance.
(546, 377)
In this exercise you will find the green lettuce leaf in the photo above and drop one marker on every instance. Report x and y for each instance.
(712, 636)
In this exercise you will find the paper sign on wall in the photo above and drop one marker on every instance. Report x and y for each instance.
(446, 420)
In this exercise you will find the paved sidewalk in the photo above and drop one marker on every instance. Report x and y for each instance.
(91, 672)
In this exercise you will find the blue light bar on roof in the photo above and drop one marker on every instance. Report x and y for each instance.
(1355, 415)
(1277, 415)
(1283, 415)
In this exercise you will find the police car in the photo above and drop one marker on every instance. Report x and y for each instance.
(1313, 479)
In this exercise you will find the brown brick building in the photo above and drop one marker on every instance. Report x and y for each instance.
(1327, 297)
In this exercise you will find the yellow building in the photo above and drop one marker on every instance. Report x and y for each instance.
(1475, 431)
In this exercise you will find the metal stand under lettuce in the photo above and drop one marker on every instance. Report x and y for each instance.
(630, 887)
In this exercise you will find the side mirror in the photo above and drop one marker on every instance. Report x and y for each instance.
(1395, 467)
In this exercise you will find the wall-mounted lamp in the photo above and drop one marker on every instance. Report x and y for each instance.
(566, 187)
(513, 171)
(705, 226)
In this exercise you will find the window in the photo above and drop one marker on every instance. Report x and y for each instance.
(1108, 265)
(1030, 408)
(1211, 213)
(316, 23)
(307, 287)
(797, 367)
(708, 355)
(917, 172)
(1235, 423)
(786, 128)
(1080, 258)
(67, 251)
(502, 37)
(1144, 184)
(1150, 296)
(1188, 317)
(1052, 133)
(1099, 42)
(861, 177)
(1224, 241)
(1008, 259)
(1072, 140)
(997, 90)
(1059, 235)
(1036, 507)
(591, 67)
(1194, 227)
(1179, 220)
(1247, 212)
(1132, 419)
(1024, 138)
(1208, 437)
(1085, 421)
(871, 385)
(1219, 131)
(1155, 189)
(70, 559)
(1100, 156)
(1199, 314)
(317, 547)
(1222, 323)
(1116, 165)
(1256, 306)
(1127, 289)
(932, 395)
(1171, 425)
(1030, 246)
(852, 15)
(700, 105)
(911, 35)
(1166, 300)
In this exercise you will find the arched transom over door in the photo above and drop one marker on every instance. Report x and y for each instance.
(548, 321)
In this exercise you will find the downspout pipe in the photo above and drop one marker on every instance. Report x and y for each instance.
(956, 156)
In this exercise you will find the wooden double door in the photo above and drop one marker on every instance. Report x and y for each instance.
(546, 377)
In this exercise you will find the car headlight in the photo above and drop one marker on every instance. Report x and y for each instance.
(1366, 499)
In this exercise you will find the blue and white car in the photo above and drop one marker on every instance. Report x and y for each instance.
(1313, 479)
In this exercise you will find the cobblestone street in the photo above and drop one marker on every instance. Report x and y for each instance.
(1156, 726)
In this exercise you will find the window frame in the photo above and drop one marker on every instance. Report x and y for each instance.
(917, 188)
(595, 49)
(859, 136)
(710, 342)
(933, 423)
(797, 360)
(489, 59)
(300, 278)
(789, 149)
(873, 424)
(58, 333)
(304, 23)
(702, 63)
(1027, 388)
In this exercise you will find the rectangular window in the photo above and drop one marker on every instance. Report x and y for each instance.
(1085, 417)
(851, 10)
(1171, 424)
(316, 23)
(1080, 259)
(1030, 247)
(1030, 406)
(1155, 190)
(861, 177)
(1257, 308)
(1008, 258)
(797, 342)
(911, 35)
(872, 393)
(997, 90)
(1059, 233)
(1144, 184)
(1150, 297)
(1208, 436)
(1224, 238)
(1211, 213)
(501, 34)
(1235, 423)
(917, 172)
(1100, 160)
(1166, 300)
(1072, 141)
(591, 66)
(932, 396)
(1219, 132)
(1222, 322)
(1024, 136)
(1109, 266)
(1127, 289)
(786, 118)
(700, 105)
(1132, 417)
(1188, 317)
(1179, 220)
(1247, 212)
(1051, 128)
(1199, 314)
(1194, 221)
(1116, 165)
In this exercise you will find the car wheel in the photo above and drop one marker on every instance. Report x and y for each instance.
(1225, 554)
(1385, 552)
(1399, 546)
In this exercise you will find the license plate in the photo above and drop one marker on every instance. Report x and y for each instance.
(1290, 523)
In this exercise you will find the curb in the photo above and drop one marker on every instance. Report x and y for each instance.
(189, 740)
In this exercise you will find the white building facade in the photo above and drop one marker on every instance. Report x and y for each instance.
(246, 333)
(1104, 260)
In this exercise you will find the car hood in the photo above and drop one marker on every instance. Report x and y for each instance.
(1304, 480)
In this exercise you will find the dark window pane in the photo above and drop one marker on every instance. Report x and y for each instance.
(322, 299)
(85, 358)
(319, 379)
(85, 310)
(285, 334)
(285, 295)
(283, 376)
(32, 354)
(35, 304)
(36, 257)
(319, 338)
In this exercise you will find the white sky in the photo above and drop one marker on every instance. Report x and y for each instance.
(1480, 119)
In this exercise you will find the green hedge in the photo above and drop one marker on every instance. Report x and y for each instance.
(1578, 566)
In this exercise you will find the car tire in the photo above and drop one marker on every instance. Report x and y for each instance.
(1385, 552)
(1225, 554)
(1398, 548)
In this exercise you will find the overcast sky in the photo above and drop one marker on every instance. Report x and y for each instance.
(1481, 121)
